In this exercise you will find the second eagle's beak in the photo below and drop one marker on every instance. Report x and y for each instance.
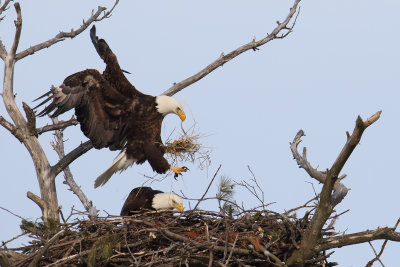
(179, 207)
(181, 114)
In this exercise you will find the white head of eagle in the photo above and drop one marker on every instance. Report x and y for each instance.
(167, 201)
(146, 198)
(167, 105)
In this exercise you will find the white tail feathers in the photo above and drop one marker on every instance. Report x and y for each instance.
(120, 163)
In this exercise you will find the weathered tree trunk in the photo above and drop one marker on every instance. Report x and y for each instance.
(48, 201)
(24, 129)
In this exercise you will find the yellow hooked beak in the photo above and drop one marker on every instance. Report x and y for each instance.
(181, 114)
(179, 207)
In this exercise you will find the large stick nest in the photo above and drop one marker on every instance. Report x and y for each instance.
(194, 238)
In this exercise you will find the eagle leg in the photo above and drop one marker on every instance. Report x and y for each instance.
(178, 170)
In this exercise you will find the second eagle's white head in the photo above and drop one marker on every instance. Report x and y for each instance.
(167, 105)
(167, 201)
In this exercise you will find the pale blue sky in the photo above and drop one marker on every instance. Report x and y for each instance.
(342, 60)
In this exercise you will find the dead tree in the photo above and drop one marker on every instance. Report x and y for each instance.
(312, 240)
(24, 127)
(332, 193)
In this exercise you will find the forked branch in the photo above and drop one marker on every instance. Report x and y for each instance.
(61, 125)
(312, 235)
(11, 128)
(58, 146)
(377, 257)
(4, 7)
(108, 14)
(252, 45)
(340, 191)
(63, 35)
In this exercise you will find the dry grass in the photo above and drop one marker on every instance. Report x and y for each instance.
(187, 148)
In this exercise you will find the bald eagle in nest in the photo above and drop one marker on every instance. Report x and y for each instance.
(147, 198)
(113, 114)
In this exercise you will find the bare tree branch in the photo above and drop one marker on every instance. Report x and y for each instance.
(69, 180)
(324, 209)
(71, 156)
(357, 238)
(225, 58)
(377, 258)
(3, 51)
(16, 215)
(370, 263)
(57, 126)
(37, 200)
(11, 128)
(48, 201)
(61, 36)
(209, 185)
(339, 188)
(108, 13)
(4, 7)
(254, 190)
(18, 25)
(31, 118)
(351, 144)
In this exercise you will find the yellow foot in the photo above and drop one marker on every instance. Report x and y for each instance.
(178, 170)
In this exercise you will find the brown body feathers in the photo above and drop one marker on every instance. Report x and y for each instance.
(112, 113)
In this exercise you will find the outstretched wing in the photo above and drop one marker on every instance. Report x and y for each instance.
(102, 119)
(72, 93)
(113, 72)
(105, 104)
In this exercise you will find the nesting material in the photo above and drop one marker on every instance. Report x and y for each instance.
(187, 148)
(193, 238)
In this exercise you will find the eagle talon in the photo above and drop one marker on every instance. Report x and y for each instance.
(178, 170)
(185, 168)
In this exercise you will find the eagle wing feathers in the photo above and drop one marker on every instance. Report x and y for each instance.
(111, 112)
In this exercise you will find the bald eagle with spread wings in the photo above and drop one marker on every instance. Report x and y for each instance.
(113, 114)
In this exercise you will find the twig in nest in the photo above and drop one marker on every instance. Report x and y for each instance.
(16, 215)
(201, 199)
(255, 189)
(39, 255)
